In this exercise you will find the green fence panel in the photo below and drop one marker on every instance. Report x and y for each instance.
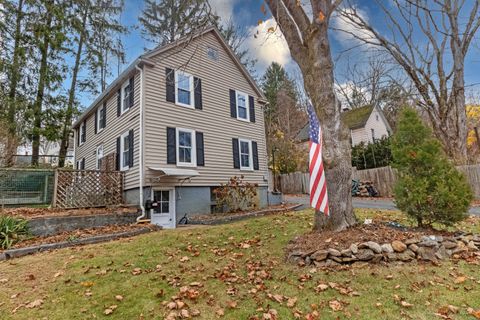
(26, 187)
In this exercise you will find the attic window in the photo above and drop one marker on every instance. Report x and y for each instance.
(212, 53)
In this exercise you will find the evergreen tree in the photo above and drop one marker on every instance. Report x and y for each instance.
(164, 21)
(429, 188)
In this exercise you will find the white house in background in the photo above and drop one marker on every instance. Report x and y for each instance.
(366, 125)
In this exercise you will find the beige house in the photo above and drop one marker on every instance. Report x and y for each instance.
(366, 124)
(180, 120)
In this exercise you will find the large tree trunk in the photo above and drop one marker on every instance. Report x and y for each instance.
(42, 83)
(12, 139)
(317, 69)
(310, 48)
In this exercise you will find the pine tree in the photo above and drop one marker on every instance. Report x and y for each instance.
(164, 21)
(429, 188)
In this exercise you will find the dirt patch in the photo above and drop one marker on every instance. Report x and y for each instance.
(78, 234)
(378, 232)
(30, 213)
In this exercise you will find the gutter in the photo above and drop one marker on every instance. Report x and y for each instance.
(140, 164)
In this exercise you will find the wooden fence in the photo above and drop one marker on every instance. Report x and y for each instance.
(383, 178)
(87, 188)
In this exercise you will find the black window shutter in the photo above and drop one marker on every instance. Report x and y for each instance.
(236, 154)
(197, 83)
(82, 164)
(233, 104)
(131, 87)
(130, 151)
(255, 155)
(170, 84)
(78, 136)
(251, 104)
(200, 149)
(171, 146)
(96, 121)
(119, 102)
(117, 160)
(104, 111)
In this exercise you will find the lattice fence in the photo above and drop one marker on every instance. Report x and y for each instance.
(87, 188)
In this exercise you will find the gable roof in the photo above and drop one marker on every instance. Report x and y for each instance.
(354, 119)
(358, 117)
(144, 60)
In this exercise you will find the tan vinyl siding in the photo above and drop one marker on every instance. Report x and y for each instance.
(218, 77)
(115, 126)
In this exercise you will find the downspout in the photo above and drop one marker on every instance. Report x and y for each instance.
(140, 165)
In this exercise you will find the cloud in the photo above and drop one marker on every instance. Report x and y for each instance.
(268, 46)
(223, 8)
(346, 31)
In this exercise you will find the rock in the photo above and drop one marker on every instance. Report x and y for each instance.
(354, 248)
(319, 264)
(319, 255)
(346, 253)
(399, 246)
(427, 254)
(392, 256)
(472, 246)
(365, 254)
(308, 261)
(449, 244)
(349, 259)
(441, 253)
(387, 248)
(432, 238)
(428, 243)
(336, 259)
(331, 263)
(413, 247)
(411, 241)
(375, 247)
(405, 256)
(334, 252)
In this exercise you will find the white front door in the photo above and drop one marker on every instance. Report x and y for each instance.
(163, 211)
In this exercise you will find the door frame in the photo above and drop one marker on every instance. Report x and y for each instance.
(171, 204)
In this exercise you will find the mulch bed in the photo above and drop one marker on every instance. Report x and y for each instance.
(78, 234)
(378, 232)
(30, 213)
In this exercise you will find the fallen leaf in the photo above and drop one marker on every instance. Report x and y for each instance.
(136, 271)
(119, 297)
(335, 305)
(460, 279)
(34, 304)
(220, 312)
(291, 302)
(406, 304)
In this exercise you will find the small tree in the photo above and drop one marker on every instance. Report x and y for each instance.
(429, 188)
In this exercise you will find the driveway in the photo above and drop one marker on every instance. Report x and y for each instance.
(367, 203)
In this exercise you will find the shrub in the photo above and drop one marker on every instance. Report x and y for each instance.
(429, 188)
(12, 230)
(236, 195)
(372, 155)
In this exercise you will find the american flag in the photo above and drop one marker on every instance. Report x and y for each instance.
(318, 183)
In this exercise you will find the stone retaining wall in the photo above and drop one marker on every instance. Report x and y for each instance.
(46, 226)
(426, 248)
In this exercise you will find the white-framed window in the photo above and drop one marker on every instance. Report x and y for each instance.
(80, 165)
(100, 119)
(184, 89)
(245, 152)
(125, 151)
(125, 99)
(82, 133)
(186, 144)
(99, 157)
(243, 112)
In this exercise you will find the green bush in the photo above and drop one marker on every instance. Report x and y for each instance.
(12, 230)
(429, 188)
(372, 155)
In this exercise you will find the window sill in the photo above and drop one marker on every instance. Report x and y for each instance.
(186, 165)
(244, 120)
(246, 169)
(124, 111)
(100, 130)
(125, 169)
(189, 106)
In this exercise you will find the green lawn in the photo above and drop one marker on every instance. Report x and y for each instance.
(236, 269)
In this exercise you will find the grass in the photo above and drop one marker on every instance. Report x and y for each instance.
(241, 263)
